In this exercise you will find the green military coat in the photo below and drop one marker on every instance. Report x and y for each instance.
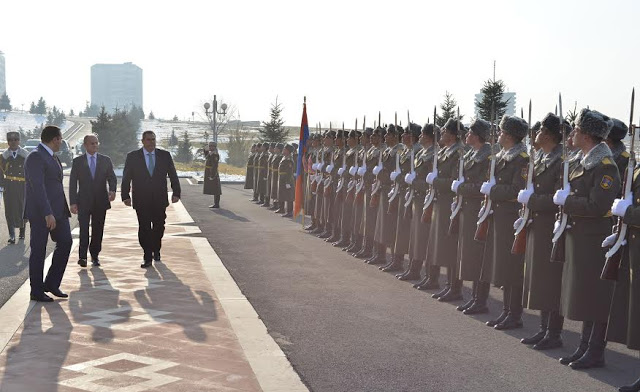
(286, 179)
(12, 181)
(211, 175)
(419, 237)
(248, 179)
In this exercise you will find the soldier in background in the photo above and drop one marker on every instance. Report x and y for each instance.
(286, 181)
(470, 251)
(211, 176)
(335, 198)
(442, 248)
(275, 163)
(370, 212)
(617, 147)
(595, 183)
(248, 179)
(543, 279)
(323, 202)
(357, 239)
(263, 171)
(346, 217)
(12, 185)
(313, 155)
(269, 181)
(256, 172)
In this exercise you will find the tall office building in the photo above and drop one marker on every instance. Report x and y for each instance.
(509, 98)
(3, 80)
(116, 86)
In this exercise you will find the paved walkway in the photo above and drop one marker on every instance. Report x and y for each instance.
(181, 326)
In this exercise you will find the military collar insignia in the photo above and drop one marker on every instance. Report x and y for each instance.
(513, 152)
(21, 153)
(596, 155)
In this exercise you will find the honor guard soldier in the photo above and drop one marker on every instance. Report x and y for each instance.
(286, 181)
(262, 174)
(617, 147)
(334, 198)
(372, 158)
(256, 170)
(269, 184)
(211, 176)
(313, 157)
(275, 163)
(442, 248)
(248, 179)
(500, 266)
(325, 188)
(470, 251)
(594, 184)
(357, 239)
(543, 279)
(346, 176)
(12, 185)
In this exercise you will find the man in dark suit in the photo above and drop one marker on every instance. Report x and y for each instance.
(147, 169)
(93, 172)
(48, 213)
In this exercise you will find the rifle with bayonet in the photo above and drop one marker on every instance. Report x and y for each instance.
(343, 168)
(329, 179)
(427, 209)
(393, 194)
(408, 197)
(362, 170)
(375, 188)
(614, 255)
(558, 239)
(353, 170)
(457, 206)
(482, 228)
(520, 240)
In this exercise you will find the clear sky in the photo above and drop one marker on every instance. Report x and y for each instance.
(350, 58)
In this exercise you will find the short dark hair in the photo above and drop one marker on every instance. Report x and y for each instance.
(145, 133)
(49, 133)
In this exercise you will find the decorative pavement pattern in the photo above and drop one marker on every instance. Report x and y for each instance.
(125, 329)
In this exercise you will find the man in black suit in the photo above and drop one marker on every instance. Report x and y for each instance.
(92, 172)
(147, 169)
(46, 209)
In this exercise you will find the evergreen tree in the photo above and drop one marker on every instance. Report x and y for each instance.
(175, 117)
(173, 139)
(274, 131)
(448, 109)
(32, 108)
(151, 116)
(5, 102)
(184, 149)
(41, 107)
(238, 147)
(492, 94)
(572, 114)
(117, 133)
(71, 113)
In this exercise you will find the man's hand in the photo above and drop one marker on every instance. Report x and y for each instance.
(175, 199)
(127, 202)
(51, 222)
(112, 196)
(74, 209)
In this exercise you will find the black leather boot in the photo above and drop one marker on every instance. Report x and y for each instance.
(514, 318)
(21, 235)
(594, 356)
(441, 292)
(334, 237)
(553, 338)
(326, 233)
(505, 310)
(388, 263)
(544, 322)
(380, 256)
(413, 272)
(432, 278)
(635, 387)
(396, 264)
(344, 241)
(455, 287)
(474, 294)
(312, 226)
(318, 230)
(480, 304)
(367, 248)
(587, 327)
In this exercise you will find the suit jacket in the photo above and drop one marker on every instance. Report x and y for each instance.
(44, 192)
(149, 190)
(91, 194)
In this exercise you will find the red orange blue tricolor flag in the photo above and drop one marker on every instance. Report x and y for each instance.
(302, 149)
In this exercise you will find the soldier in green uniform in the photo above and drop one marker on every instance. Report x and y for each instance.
(370, 212)
(256, 172)
(617, 147)
(286, 181)
(211, 175)
(336, 194)
(248, 178)
(543, 279)
(346, 218)
(12, 185)
(442, 247)
(469, 252)
(595, 183)
(263, 171)
(385, 230)
(624, 318)
(503, 268)
(313, 156)
(325, 188)
(275, 163)
(269, 182)
(419, 230)
(357, 228)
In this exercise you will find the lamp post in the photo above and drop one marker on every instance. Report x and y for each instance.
(212, 115)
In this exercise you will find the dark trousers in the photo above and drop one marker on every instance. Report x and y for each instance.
(150, 229)
(61, 235)
(97, 229)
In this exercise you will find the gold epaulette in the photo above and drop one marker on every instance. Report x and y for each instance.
(607, 161)
(524, 154)
(625, 154)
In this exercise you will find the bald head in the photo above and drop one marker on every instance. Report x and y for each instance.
(91, 143)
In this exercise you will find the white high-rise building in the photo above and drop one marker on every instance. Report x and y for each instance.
(116, 86)
(509, 98)
(3, 80)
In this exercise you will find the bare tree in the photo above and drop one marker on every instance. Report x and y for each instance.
(219, 122)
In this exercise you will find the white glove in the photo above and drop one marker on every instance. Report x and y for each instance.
(377, 170)
(313, 166)
(432, 176)
(352, 170)
(409, 177)
(329, 169)
(390, 193)
(619, 207)
(485, 189)
(393, 175)
(610, 240)
(560, 197)
(362, 170)
(517, 223)
(288, 186)
(455, 184)
(340, 171)
(320, 166)
(453, 206)
(524, 195)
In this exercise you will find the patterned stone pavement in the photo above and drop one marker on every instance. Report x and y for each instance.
(125, 329)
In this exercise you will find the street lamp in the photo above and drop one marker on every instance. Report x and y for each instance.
(212, 115)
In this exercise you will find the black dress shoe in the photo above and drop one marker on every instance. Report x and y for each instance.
(503, 315)
(311, 227)
(324, 235)
(95, 262)
(57, 292)
(592, 358)
(374, 260)
(146, 264)
(156, 257)
(430, 284)
(635, 387)
(548, 343)
(214, 206)
(582, 348)
(341, 244)
(476, 308)
(280, 211)
(21, 236)
(82, 262)
(441, 292)
(510, 322)
(395, 266)
(450, 296)
(412, 275)
(535, 339)
(466, 306)
(41, 298)
(11, 241)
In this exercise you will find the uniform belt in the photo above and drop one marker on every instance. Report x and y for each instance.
(11, 178)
